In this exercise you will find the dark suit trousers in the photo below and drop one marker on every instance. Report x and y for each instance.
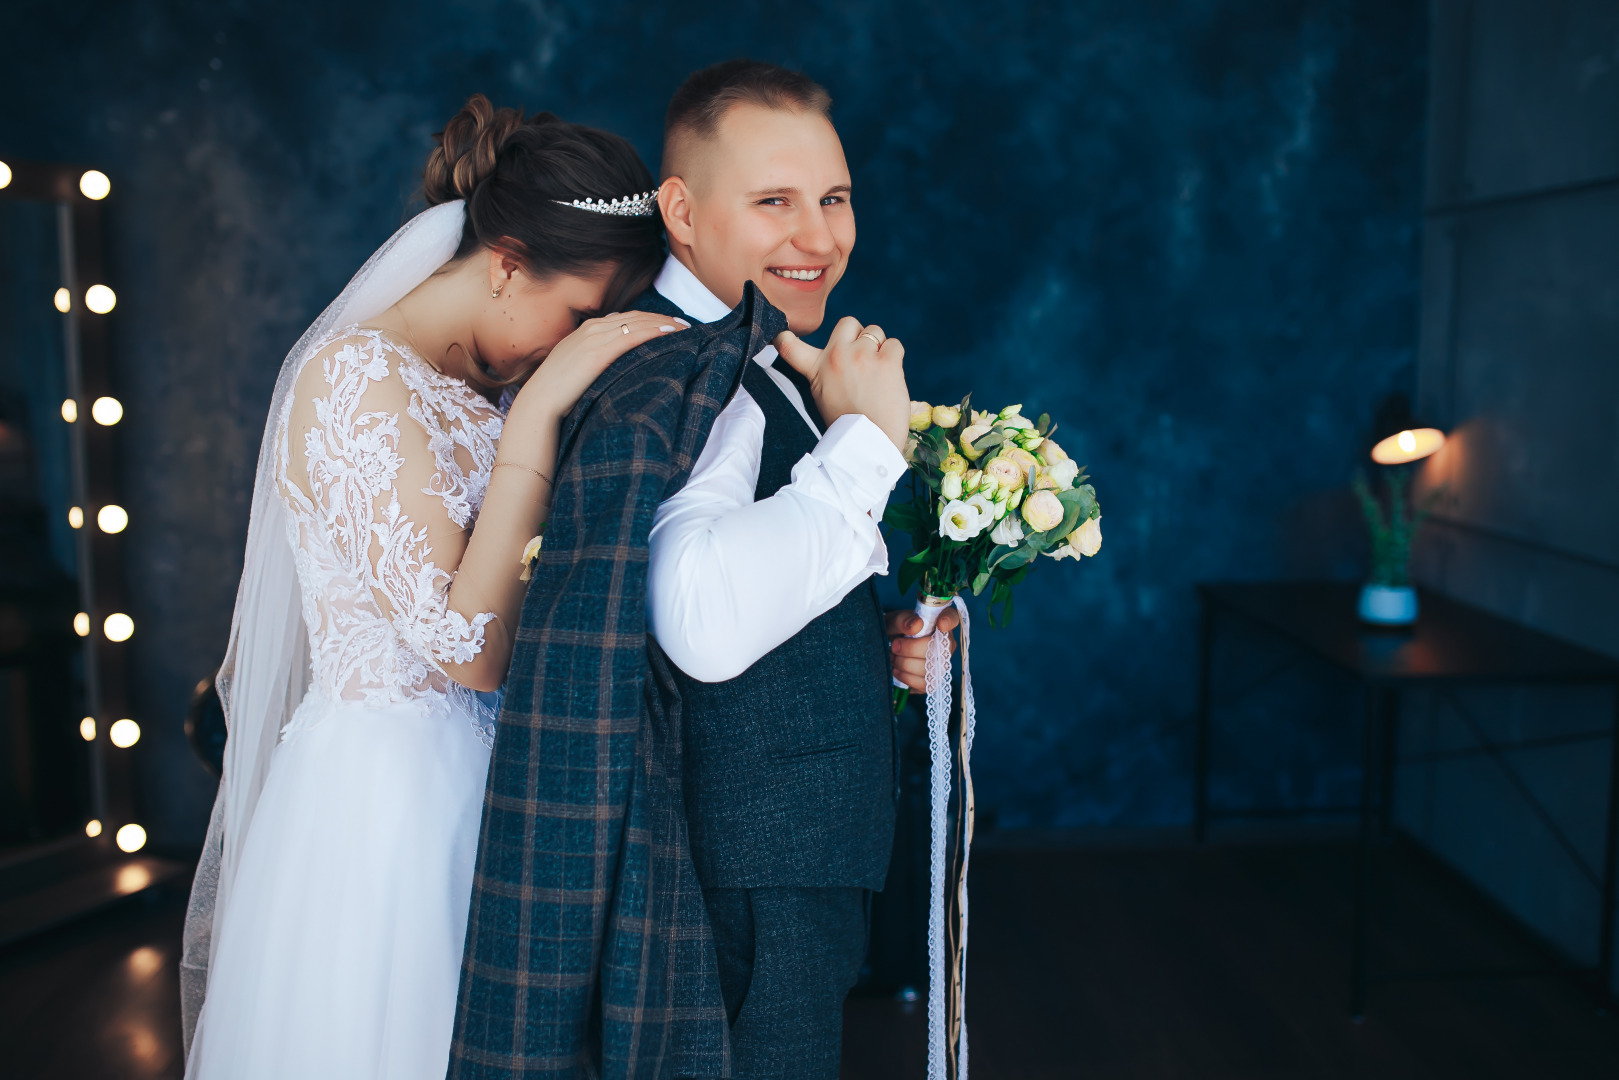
(787, 959)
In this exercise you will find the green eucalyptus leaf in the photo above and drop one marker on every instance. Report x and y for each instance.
(979, 582)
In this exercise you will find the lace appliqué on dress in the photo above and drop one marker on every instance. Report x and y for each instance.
(375, 604)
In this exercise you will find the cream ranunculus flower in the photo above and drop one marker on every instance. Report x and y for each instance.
(1017, 423)
(953, 463)
(947, 416)
(976, 431)
(950, 485)
(1043, 511)
(960, 520)
(1044, 481)
(1088, 537)
(1007, 473)
(1051, 453)
(1008, 531)
(921, 416)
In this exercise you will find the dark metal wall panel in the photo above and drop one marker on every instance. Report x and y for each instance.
(1519, 359)
(1542, 96)
(1533, 372)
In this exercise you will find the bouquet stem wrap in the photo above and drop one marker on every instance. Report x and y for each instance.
(947, 869)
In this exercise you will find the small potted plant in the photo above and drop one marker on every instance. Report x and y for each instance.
(1388, 598)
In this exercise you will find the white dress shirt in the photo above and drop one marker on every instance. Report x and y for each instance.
(730, 578)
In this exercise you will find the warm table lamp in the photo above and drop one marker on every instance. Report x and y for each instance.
(1388, 599)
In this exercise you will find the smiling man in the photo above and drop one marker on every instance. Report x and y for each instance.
(760, 586)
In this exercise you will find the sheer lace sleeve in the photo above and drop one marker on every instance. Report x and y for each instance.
(390, 482)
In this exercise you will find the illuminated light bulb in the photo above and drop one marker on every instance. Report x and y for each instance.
(75, 516)
(81, 624)
(1410, 445)
(112, 518)
(63, 301)
(5, 175)
(92, 827)
(70, 411)
(87, 729)
(106, 411)
(131, 838)
(100, 299)
(124, 733)
(118, 626)
(95, 185)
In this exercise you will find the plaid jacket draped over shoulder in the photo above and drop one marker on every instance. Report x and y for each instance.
(588, 948)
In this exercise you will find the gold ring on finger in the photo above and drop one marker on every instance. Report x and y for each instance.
(875, 340)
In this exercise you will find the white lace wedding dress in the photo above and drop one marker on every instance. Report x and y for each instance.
(339, 951)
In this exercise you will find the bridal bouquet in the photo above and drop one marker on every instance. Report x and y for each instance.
(990, 493)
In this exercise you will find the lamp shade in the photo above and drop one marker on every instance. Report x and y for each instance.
(1411, 444)
(1398, 437)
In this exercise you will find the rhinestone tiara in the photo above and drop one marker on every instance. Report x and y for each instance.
(644, 205)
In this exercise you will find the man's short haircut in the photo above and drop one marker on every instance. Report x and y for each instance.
(706, 95)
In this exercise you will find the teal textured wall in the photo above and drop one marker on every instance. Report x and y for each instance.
(1188, 230)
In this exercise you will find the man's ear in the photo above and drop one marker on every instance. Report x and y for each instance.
(675, 202)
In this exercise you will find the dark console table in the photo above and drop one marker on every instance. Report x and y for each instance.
(1451, 644)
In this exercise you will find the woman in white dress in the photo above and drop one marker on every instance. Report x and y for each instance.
(382, 587)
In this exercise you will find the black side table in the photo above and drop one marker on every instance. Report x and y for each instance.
(1451, 644)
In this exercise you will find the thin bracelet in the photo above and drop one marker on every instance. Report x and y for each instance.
(525, 468)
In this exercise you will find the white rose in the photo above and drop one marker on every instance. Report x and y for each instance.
(960, 521)
(950, 485)
(1008, 530)
(1043, 511)
(921, 416)
(1064, 472)
(1088, 537)
(947, 416)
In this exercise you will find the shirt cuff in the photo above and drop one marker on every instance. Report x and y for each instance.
(865, 460)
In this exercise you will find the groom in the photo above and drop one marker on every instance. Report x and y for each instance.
(681, 833)
(760, 579)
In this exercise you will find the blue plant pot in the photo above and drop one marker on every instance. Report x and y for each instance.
(1386, 605)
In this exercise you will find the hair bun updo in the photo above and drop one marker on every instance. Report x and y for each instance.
(468, 150)
(517, 175)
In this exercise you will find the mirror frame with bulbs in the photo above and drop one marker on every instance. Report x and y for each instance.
(80, 197)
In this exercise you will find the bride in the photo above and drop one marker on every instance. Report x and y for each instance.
(391, 511)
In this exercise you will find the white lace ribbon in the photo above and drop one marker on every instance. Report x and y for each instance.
(939, 699)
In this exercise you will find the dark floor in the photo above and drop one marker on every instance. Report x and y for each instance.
(1220, 964)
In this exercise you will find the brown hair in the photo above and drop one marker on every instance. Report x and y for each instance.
(706, 95)
(515, 174)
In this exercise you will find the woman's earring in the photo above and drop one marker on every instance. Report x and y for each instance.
(494, 294)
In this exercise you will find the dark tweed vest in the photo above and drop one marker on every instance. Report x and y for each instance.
(789, 767)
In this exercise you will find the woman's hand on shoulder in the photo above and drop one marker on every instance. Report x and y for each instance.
(580, 358)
